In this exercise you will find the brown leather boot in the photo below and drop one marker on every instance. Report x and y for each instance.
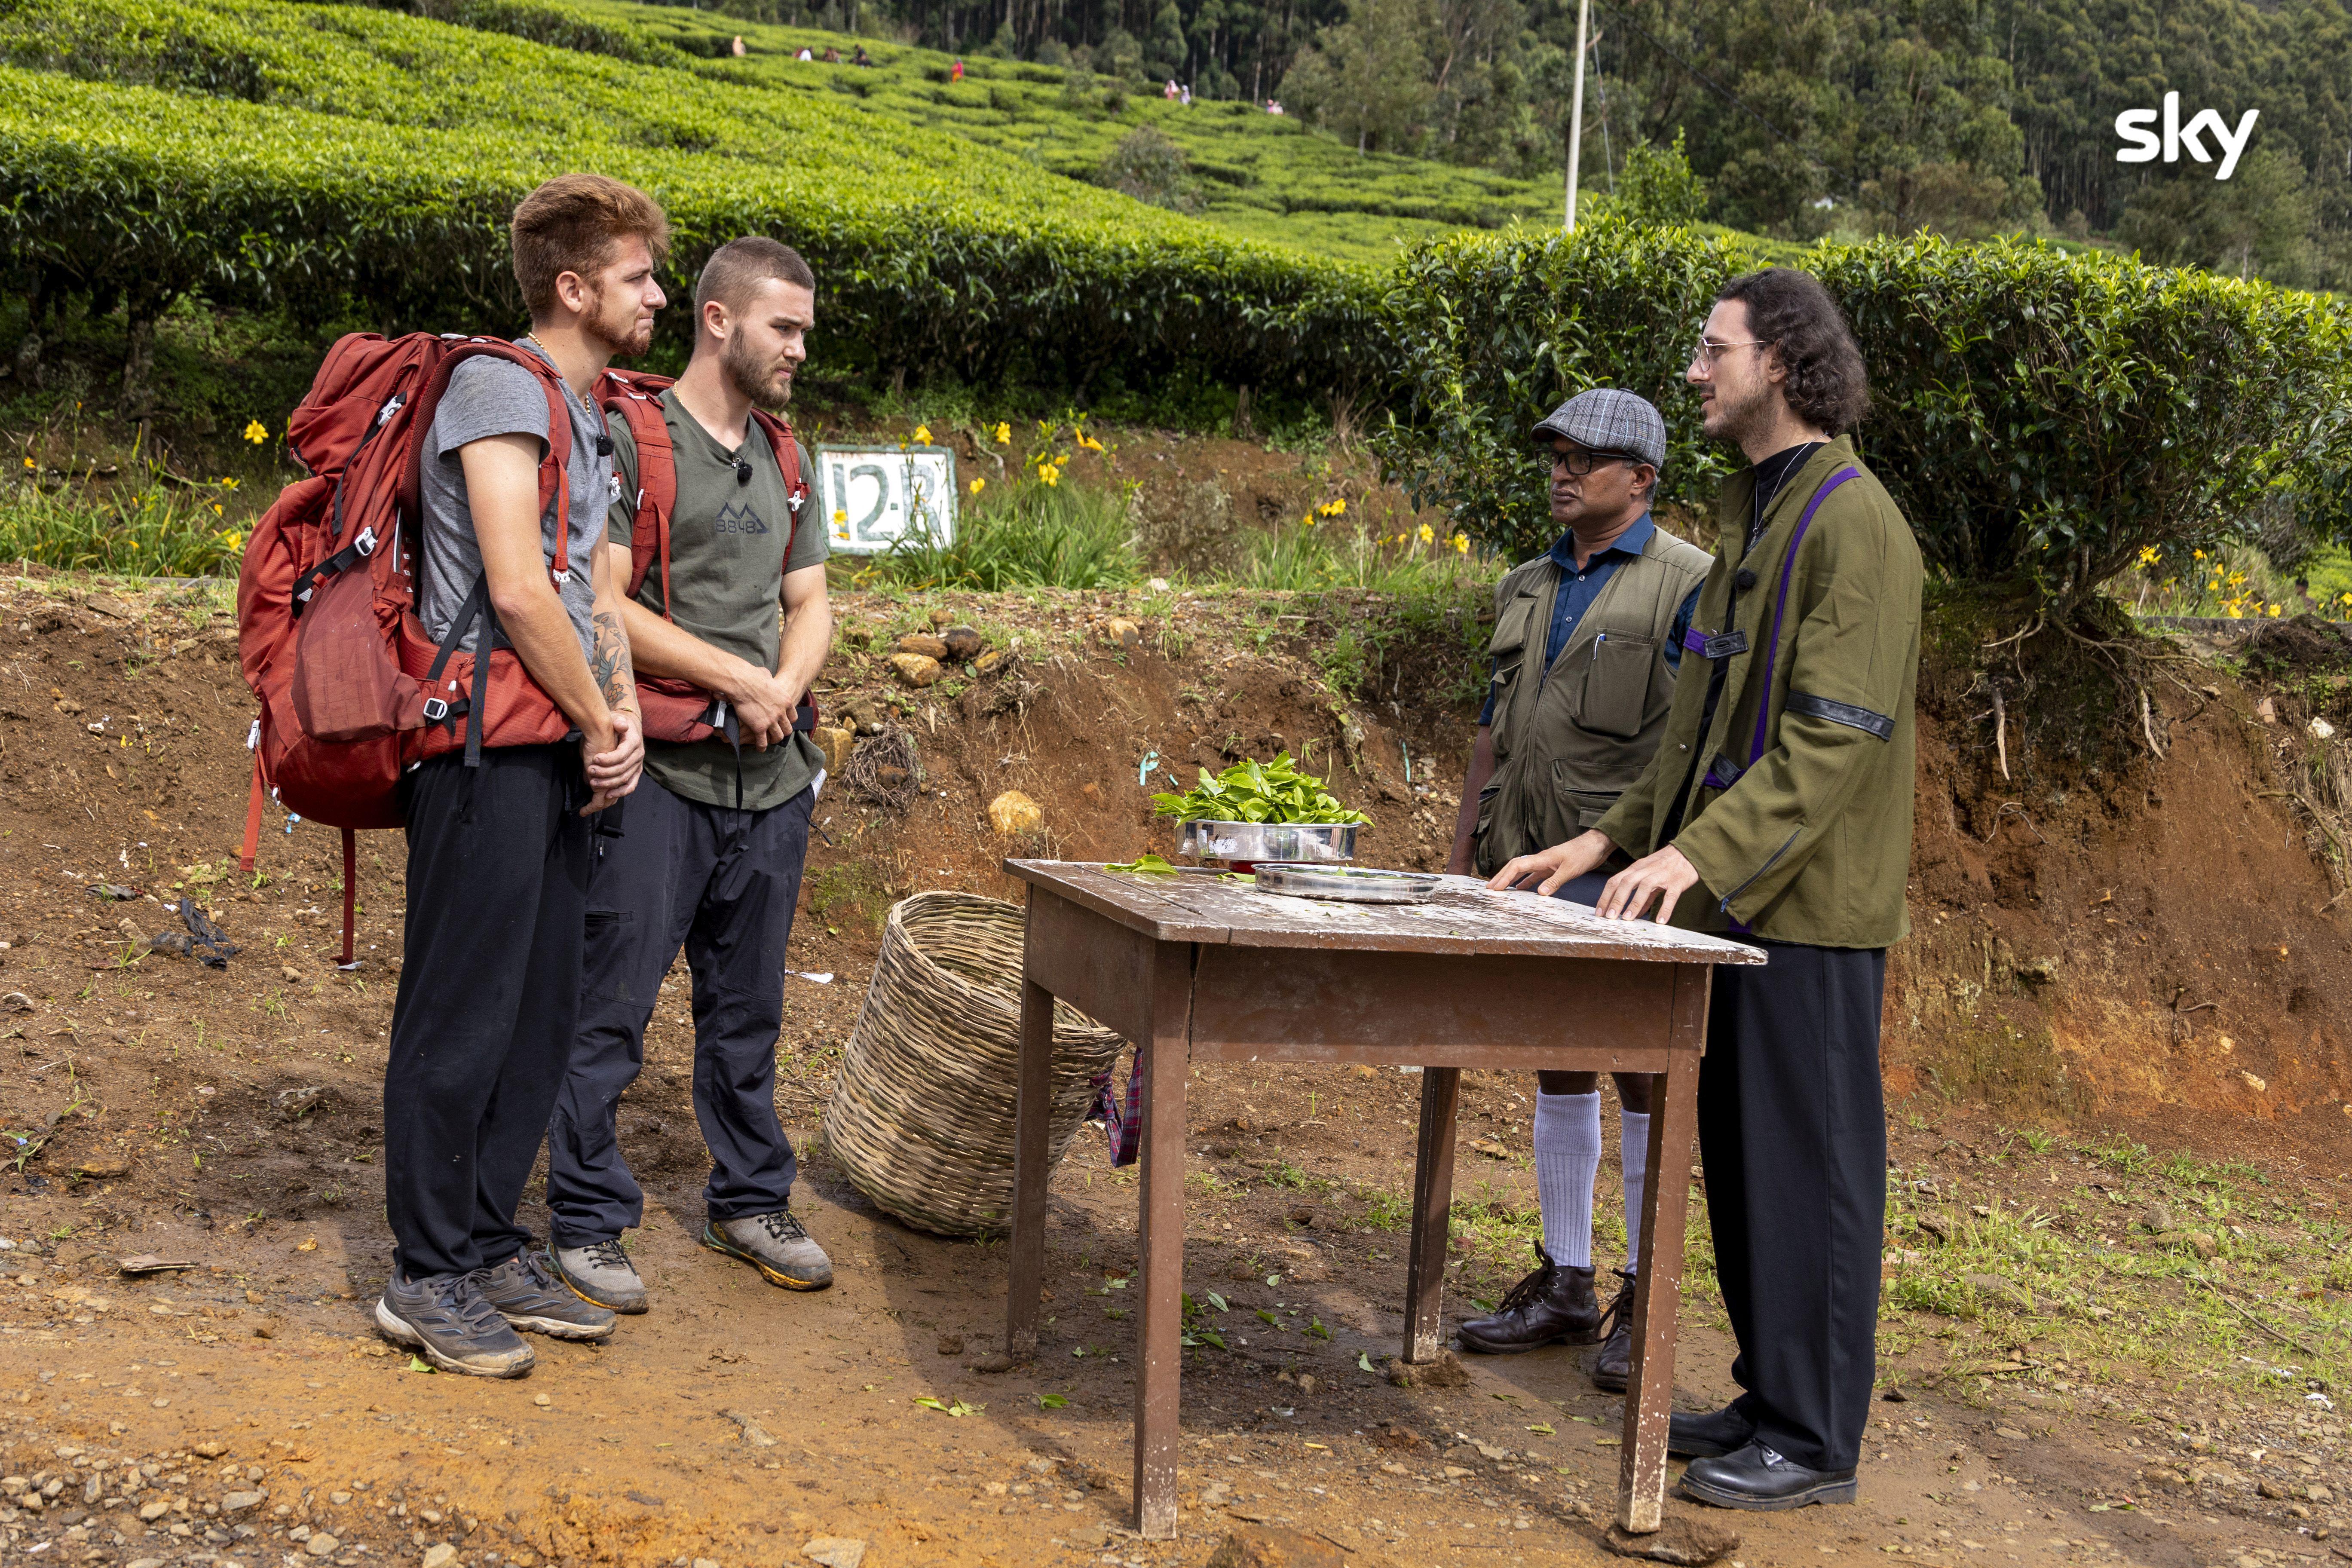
(1614, 1364)
(1552, 1306)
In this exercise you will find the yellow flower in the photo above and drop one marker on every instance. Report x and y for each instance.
(255, 431)
(30, 464)
(2201, 555)
(1004, 434)
(2147, 554)
(1051, 475)
(978, 486)
(840, 517)
(227, 483)
(1089, 442)
(2274, 610)
(922, 435)
(232, 538)
(1305, 519)
(1461, 545)
(1334, 509)
(216, 509)
(1428, 534)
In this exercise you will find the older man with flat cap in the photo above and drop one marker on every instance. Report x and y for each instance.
(1587, 639)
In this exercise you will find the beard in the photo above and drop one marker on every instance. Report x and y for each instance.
(619, 328)
(1732, 421)
(768, 389)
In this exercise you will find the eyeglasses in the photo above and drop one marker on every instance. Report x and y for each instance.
(1580, 464)
(1704, 356)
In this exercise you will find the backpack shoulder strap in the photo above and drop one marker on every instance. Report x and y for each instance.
(554, 470)
(787, 448)
(638, 400)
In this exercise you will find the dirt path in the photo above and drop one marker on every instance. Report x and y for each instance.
(2117, 1338)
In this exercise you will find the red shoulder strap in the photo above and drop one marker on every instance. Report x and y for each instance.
(638, 400)
(788, 462)
(553, 484)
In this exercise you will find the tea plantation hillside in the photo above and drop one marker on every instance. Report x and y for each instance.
(1259, 174)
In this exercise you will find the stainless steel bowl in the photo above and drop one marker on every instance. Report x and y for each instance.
(1348, 884)
(1251, 841)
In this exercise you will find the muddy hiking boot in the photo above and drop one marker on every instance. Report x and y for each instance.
(1552, 1306)
(1760, 1479)
(775, 1245)
(600, 1272)
(445, 1319)
(1614, 1364)
(527, 1296)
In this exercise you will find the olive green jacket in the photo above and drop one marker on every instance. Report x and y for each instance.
(1810, 842)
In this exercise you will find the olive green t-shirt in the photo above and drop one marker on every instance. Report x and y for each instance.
(727, 540)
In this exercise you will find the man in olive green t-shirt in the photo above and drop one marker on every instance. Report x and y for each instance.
(710, 852)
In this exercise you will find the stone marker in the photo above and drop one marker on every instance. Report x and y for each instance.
(1685, 1542)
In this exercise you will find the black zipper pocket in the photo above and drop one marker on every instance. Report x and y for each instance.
(1726, 905)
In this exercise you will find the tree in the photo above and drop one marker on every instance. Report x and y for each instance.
(1368, 77)
(1657, 186)
(2259, 220)
(1149, 167)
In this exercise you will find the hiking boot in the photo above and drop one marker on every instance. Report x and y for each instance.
(1614, 1364)
(527, 1296)
(1552, 1306)
(444, 1318)
(775, 1245)
(600, 1272)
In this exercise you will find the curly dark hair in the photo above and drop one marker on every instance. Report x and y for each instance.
(1790, 310)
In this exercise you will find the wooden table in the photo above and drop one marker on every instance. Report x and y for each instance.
(1191, 968)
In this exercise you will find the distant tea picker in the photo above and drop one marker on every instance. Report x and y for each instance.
(1776, 809)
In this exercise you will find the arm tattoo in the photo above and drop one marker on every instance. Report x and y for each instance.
(610, 660)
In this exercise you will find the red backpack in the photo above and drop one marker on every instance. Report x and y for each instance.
(352, 692)
(678, 710)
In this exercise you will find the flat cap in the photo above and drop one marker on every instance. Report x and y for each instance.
(1606, 419)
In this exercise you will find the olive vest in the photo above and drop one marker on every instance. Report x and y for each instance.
(1569, 739)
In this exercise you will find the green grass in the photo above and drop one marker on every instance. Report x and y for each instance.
(149, 526)
(1033, 535)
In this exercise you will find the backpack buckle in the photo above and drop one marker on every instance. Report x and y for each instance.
(436, 710)
(562, 576)
(365, 543)
(390, 408)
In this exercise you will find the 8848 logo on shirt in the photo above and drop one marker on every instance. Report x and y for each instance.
(738, 517)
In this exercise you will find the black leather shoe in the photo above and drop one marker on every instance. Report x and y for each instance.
(1704, 1437)
(1552, 1306)
(1614, 1364)
(1757, 1479)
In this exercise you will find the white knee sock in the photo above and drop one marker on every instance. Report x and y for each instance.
(1633, 1153)
(1568, 1157)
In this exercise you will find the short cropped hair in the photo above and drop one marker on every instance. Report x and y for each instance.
(1827, 385)
(573, 223)
(739, 267)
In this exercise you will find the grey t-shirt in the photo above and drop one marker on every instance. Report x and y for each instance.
(492, 397)
(731, 539)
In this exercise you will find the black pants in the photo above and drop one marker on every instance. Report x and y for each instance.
(489, 989)
(722, 883)
(1793, 1131)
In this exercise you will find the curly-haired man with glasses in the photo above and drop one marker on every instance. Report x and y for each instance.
(1780, 794)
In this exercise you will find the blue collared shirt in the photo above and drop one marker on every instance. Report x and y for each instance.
(1578, 590)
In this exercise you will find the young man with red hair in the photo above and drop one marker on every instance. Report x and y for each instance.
(499, 846)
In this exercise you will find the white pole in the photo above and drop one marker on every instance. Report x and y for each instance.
(1576, 110)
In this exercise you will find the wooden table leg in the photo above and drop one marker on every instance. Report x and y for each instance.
(1650, 1388)
(1164, 1060)
(1433, 1200)
(1032, 1137)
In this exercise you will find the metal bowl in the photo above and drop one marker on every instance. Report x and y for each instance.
(1347, 884)
(1253, 841)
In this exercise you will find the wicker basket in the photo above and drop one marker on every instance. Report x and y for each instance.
(921, 1118)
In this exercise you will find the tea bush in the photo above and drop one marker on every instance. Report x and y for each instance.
(2038, 415)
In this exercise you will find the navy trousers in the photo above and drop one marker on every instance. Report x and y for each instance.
(721, 883)
(1793, 1128)
(488, 997)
